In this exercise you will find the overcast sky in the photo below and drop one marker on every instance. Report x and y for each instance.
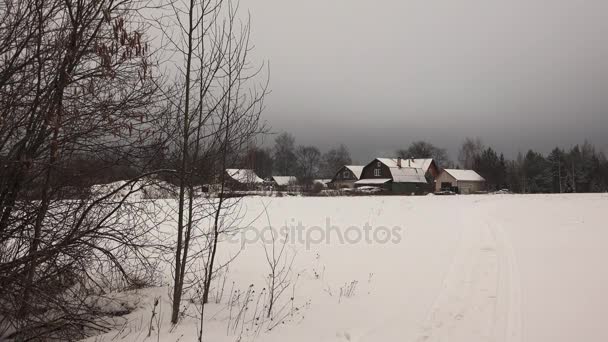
(376, 75)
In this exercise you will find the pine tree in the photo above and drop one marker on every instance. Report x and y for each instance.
(558, 170)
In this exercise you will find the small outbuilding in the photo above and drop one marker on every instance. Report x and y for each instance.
(243, 179)
(285, 183)
(346, 177)
(460, 181)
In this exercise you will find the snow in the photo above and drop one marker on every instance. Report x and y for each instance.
(141, 189)
(458, 268)
(407, 173)
(418, 163)
(244, 176)
(465, 175)
(285, 180)
(356, 170)
(373, 181)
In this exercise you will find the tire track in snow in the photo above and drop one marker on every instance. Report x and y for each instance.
(510, 286)
(480, 296)
(465, 307)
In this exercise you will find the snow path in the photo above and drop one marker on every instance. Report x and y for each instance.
(467, 305)
(481, 294)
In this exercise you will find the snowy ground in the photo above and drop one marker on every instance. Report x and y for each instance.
(457, 268)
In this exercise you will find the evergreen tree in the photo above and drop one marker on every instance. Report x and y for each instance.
(537, 171)
(491, 167)
(558, 166)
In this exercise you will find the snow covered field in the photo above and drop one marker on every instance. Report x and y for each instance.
(454, 268)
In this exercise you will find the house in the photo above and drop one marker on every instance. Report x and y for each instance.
(243, 179)
(461, 181)
(285, 183)
(428, 165)
(395, 175)
(430, 168)
(346, 177)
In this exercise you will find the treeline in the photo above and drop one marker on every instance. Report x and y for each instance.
(581, 168)
(286, 158)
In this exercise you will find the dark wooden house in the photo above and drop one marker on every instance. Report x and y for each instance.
(346, 177)
(402, 176)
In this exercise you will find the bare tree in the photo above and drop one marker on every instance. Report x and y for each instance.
(75, 79)
(308, 161)
(217, 105)
(469, 151)
(280, 264)
(284, 155)
(334, 159)
(423, 149)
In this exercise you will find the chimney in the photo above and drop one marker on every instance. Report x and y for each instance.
(399, 162)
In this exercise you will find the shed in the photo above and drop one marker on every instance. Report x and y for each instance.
(463, 181)
(285, 183)
(243, 179)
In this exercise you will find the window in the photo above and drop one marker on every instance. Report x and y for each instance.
(378, 164)
(345, 175)
(377, 173)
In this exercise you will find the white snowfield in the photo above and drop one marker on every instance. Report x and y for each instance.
(461, 268)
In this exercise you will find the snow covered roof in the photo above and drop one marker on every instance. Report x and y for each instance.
(356, 170)
(373, 181)
(418, 163)
(408, 175)
(285, 180)
(322, 181)
(405, 173)
(465, 175)
(244, 176)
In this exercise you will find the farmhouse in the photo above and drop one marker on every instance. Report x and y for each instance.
(346, 177)
(461, 181)
(394, 175)
(243, 179)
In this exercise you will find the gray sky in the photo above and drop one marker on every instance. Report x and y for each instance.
(379, 74)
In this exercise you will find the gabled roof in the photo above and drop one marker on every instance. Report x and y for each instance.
(419, 163)
(465, 175)
(285, 180)
(244, 176)
(356, 170)
(405, 173)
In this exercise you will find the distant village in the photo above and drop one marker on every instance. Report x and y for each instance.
(419, 169)
(381, 175)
